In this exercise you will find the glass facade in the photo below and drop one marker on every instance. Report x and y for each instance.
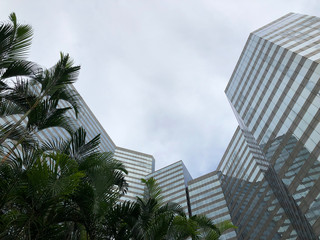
(173, 181)
(207, 198)
(138, 166)
(270, 171)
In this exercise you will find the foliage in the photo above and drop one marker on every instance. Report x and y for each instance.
(31, 97)
(151, 218)
(53, 188)
(66, 188)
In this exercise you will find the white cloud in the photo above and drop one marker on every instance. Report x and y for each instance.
(154, 72)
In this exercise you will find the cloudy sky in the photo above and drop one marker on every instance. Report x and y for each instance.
(154, 71)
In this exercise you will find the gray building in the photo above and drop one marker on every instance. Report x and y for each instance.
(271, 168)
(267, 182)
(207, 198)
(173, 181)
(138, 165)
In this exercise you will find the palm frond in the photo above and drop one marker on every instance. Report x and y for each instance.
(69, 96)
(21, 94)
(19, 68)
(80, 147)
(120, 220)
(171, 207)
(8, 108)
(152, 190)
(105, 173)
(15, 40)
(24, 157)
(59, 76)
(47, 115)
(56, 145)
(19, 133)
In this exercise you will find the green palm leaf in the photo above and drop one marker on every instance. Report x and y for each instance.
(19, 68)
(15, 41)
(48, 115)
(58, 77)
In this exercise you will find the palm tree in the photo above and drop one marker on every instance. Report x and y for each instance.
(62, 190)
(150, 217)
(34, 188)
(198, 227)
(15, 41)
(156, 217)
(57, 189)
(46, 92)
(120, 220)
(25, 87)
(101, 187)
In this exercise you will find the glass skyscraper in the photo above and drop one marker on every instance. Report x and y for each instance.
(206, 197)
(173, 181)
(138, 165)
(271, 168)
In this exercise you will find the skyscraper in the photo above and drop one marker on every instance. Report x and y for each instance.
(138, 165)
(206, 197)
(271, 168)
(173, 181)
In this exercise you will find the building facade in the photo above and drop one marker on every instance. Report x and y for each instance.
(267, 182)
(206, 197)
(138, 165)
(271, 168)
(173, 181)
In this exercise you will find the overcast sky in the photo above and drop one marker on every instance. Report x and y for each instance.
(154, 71)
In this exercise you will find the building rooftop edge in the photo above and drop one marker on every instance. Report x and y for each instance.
(93, 115)
(203, 177)
(273, 22)
(134, 152)
(168, 166)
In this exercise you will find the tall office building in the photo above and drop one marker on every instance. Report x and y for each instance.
(270, 170)
(138, 165)
(206, 197)
(173, 181)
